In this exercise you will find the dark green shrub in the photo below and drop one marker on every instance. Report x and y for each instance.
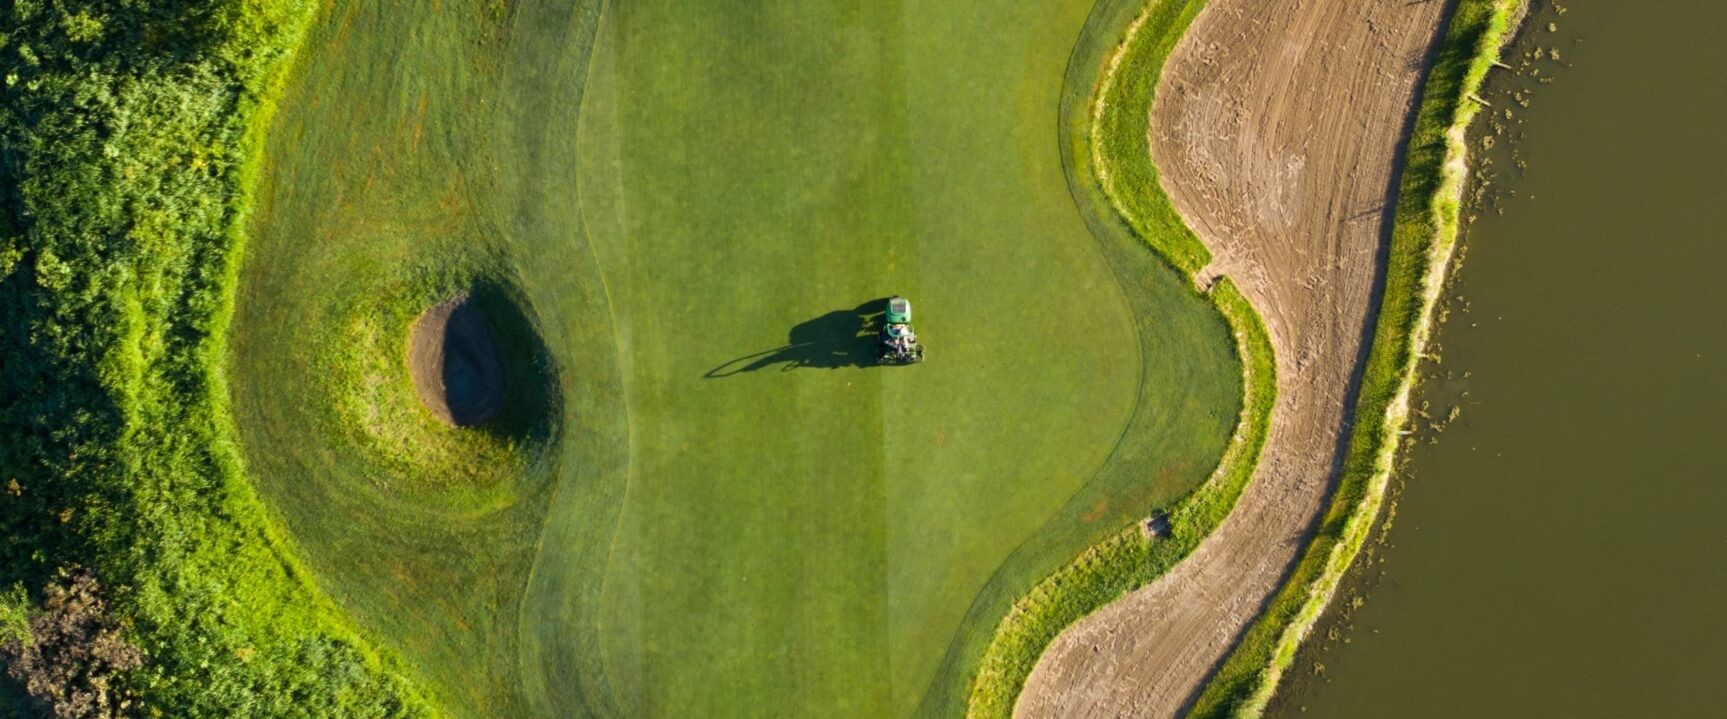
(126, 136)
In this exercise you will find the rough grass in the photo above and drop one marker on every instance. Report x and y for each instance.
(128, 139)
(1122, 119)
(368, 392)
(1120, 161)
(1424, 232)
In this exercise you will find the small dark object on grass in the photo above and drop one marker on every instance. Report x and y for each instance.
(1155, 526)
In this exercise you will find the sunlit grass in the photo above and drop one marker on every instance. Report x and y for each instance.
(1120, 159)
(1121, 122)
(1131, 559)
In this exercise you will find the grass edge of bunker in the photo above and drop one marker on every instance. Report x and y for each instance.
(42, 263)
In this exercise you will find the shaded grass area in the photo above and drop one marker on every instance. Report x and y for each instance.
(1423, 234)
(128, 139)
(1110, 144)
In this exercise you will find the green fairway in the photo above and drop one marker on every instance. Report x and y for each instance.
(700, 500)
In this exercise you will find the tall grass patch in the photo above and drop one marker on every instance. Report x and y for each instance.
(1121, 153)
(128, 139)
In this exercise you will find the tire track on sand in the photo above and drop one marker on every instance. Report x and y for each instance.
(1276, 130)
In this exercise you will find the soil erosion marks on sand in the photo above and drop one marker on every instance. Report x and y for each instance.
(1276, 130)
(453, 358)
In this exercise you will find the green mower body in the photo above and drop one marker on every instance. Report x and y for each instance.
(899, 343)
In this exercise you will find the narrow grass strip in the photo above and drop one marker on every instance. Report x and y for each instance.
(1424, 233)
(1130, 559)
(1121, 121)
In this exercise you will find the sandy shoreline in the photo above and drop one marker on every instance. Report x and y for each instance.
(1277, 131)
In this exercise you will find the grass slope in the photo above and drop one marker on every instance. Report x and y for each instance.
(383, 195)
(1424, 232)
(127, 140)
(1130, 559)
(1120, 155)
(840, 538)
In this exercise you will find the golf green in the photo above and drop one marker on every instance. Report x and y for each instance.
(701, 498)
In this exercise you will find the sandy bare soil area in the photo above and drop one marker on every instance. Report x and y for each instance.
(1277, 127)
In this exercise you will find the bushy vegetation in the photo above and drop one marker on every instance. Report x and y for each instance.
(127, 133)
(1423, 233)
(69, 657)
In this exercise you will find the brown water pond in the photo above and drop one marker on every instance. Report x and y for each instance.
(1561, 551)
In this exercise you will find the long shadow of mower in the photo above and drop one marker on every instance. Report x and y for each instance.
(842, 338)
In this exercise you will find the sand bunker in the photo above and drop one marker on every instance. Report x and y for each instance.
(453, 357)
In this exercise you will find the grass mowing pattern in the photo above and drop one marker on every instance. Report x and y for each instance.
(1115, 144)
(130, 134)
(383, 196)
(819, 528)
(1424, 232)
(924, 167)
(1130, 559)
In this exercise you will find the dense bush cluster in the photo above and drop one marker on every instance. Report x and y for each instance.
(69, 657)
(126, 133)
